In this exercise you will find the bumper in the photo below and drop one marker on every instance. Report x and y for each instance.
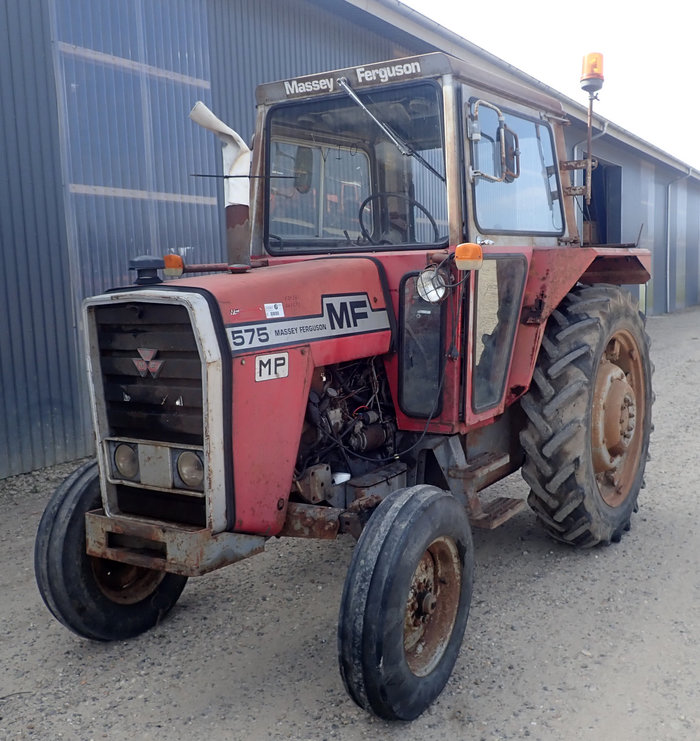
(179, 549)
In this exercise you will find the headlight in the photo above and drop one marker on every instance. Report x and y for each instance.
(126, 461)
(190, 469)
(431, 285)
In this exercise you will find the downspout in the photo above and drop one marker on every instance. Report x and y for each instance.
(574, 155)
(668, 235)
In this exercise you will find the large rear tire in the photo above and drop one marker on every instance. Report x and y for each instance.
(405, 603)
(94, 597)
(589, 417)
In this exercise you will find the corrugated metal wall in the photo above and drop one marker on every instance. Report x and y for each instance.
(692, 261)
(41, 413)
(684, 256)
(127, 75)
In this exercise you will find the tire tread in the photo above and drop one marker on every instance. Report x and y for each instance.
(553, 438)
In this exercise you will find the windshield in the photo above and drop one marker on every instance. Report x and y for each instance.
(357, 174)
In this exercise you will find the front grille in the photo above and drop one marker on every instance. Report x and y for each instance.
(167, 506)
(161, 402)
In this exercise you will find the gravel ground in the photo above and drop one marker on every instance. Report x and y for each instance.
(560, 644)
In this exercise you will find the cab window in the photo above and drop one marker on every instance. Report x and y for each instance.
(514, 172)
(351, 176)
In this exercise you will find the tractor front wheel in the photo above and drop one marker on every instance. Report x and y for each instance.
(586, 440)
(94, 597)
(405, 603)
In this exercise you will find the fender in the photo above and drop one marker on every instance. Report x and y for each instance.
(553, 273)
(282, 322)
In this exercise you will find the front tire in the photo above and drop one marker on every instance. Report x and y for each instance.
(94, 597)
(589, 417)
(405, 602)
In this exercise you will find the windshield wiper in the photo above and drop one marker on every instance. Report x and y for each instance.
(400, 144)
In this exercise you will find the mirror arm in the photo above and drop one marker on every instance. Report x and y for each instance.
(475, 135)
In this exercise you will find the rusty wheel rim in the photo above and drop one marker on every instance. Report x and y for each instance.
(432, 605)
(124, 583)
(617, 418)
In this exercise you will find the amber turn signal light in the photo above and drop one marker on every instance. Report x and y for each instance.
(468, 256)
(174, 265)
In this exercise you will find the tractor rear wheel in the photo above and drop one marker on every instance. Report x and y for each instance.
(405, 603)
(94, 597)
(586, 440)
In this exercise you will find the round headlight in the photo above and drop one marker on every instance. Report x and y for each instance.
(431, 285)
(126, 460)
(191, 469)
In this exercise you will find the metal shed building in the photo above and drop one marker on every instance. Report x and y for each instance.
(97, 154)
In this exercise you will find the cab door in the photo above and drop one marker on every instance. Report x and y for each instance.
(495, 306)
(513, 205)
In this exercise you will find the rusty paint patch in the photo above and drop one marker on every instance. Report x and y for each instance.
(354, 519)
(309, 521)
(178, 549)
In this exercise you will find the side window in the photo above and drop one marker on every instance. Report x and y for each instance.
(499, 291)
(514, 172)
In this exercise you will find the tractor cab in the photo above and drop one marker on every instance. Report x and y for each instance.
(406, 155)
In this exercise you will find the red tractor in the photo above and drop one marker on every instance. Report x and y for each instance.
(412, 319)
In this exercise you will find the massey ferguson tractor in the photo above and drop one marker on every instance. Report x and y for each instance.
(407, 315)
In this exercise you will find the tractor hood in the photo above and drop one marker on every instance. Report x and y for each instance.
(340, 307)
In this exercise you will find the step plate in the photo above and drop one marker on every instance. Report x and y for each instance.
(497, 511)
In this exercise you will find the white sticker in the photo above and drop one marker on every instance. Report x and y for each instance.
(269, 367)
(273, 311)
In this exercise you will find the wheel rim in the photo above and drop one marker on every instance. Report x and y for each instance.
(432, 605)
(617, 419)
(124, 583)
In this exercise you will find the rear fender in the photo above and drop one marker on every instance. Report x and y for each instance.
(553, 273)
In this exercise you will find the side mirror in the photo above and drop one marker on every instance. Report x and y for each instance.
(510, 153)
(303, 169)
(500, 152)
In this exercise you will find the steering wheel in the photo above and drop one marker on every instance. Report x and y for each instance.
(385, 195)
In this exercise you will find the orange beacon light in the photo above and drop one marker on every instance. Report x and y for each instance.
(592, 72)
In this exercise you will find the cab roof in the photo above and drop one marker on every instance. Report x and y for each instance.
(423, 66)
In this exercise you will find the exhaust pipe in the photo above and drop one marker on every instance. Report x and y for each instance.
(236, 159)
